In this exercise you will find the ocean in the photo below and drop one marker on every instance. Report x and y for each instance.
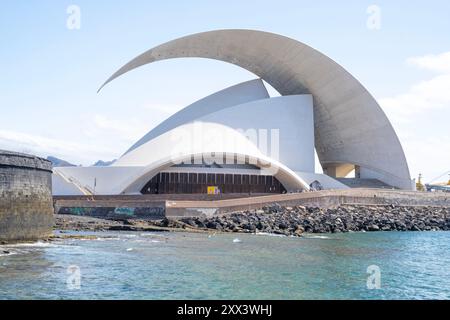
(119, 265)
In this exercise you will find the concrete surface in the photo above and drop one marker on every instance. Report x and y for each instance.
(194, 205)
(26, 211)
(350, 126)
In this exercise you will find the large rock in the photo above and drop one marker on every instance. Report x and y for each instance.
(296, 220)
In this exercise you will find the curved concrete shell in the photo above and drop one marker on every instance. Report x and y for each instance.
(289, 179)
(287, 137)
(241, 93)
(350, 127)
(209, 141)
(247, 107)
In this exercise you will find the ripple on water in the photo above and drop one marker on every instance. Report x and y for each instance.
(315, 237)
(179, 266)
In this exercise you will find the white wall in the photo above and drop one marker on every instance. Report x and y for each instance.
(234, 95)
(292, 116)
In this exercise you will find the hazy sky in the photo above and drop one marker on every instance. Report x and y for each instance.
(50, 73)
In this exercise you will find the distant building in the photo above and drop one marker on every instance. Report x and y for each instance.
(437, 188)
(240, 140)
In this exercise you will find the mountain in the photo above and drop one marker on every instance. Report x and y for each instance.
(59, 162)
(101, 163)
(63, 163)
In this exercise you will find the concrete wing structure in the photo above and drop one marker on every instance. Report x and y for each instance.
(240, 140)
(210, 142)
(248, 107)
(222, 132)
(207, 142)
(238, 94)
(351, 130)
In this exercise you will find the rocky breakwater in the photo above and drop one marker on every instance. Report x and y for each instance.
(26, 208)
(294, 221)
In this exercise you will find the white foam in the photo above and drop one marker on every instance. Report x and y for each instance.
(38, 244)
(11, 253)
(152, 234)
(270, 234)
(317, 237)
(99, 239)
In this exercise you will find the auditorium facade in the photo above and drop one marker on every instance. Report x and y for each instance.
(242, 140)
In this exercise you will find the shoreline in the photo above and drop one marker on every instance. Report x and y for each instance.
(65, 222)
(274, 220)
(279, 220)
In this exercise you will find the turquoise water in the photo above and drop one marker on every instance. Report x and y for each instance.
(413, 265)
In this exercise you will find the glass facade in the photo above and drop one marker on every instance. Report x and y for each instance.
(182, 182)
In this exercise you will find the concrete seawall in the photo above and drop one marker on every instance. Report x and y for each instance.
(188, 205)
(26, 210)
(321, 199)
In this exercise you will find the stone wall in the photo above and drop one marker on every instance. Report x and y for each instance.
(113, 209)
(176, 206)
(26, 208)
(321, 199)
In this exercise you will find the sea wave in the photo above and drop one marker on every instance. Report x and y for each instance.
(38, 244)
(316, 237)
(129, 235)
(26, 247)
(270, 234)
(10, 253)
(147, 241)
(152, 234)
(100, 239)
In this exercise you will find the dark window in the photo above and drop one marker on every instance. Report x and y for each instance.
(202, 178)
(261, 180)
(174, 177)
(229, 179)
(193, 178)
(220, 178)
(211, 178)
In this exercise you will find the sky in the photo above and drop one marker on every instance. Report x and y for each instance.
(54, 55)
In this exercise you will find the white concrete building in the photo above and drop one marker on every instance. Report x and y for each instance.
(240, 140)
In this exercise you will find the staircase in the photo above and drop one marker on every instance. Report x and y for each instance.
(364, 183)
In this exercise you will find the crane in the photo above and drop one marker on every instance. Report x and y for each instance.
(443, 186)
(440, 176)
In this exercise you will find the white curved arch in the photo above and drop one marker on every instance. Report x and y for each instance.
(291, 181)
(234, 95)
(130, 173)
(289, 130)
(350, 127)
(212, 140)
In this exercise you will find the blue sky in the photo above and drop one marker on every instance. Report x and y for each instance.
(50, 74)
